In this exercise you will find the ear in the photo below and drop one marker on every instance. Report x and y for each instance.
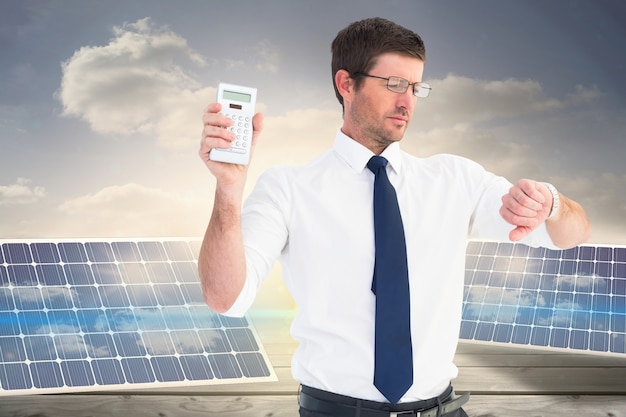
(344, 84)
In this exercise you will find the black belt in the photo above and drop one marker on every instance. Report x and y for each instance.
(342, 406)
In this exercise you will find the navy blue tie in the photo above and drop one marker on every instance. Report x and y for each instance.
(393, 352)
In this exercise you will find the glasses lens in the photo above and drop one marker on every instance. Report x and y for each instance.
(397, 84)
(421, 90)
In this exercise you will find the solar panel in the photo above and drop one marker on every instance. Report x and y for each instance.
(556, 299)
(100, 315)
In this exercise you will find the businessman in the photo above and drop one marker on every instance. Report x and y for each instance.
(371, 239)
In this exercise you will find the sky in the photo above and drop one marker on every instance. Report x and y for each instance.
(101, 102)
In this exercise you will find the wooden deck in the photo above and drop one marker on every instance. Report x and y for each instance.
(504, 381)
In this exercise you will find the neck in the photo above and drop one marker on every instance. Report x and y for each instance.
(377, 146)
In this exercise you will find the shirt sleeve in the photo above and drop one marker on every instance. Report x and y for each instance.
(265, 234)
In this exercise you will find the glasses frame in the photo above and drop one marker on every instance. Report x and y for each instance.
(420, 89)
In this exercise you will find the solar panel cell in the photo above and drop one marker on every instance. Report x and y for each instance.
(225, 366)
(46, 374)
(45, 253)
(99, 252)
(108, 372)
(17, 253)
(72, 252)
(251, 364)
(50, 275)
(126, 252)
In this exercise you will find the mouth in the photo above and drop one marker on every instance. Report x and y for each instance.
(401, 116)
(402, 119)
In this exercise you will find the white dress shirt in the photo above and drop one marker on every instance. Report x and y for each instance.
(317, 220)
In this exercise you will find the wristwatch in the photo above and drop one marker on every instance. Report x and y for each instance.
(556, 201)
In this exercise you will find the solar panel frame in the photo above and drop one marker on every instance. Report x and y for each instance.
(81, 315)
(570, 300)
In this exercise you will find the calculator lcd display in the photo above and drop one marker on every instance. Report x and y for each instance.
(232, 95)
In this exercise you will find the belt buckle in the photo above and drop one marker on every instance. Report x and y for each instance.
(405, 413)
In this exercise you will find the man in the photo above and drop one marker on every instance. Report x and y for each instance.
(319, 221)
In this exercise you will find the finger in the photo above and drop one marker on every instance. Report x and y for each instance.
(212, 133)
(216, 119)
(517, 220)
(515, 207)
(257, 122)
(519, 233)
(205, 153)
(257, 127)
(213, 108)
(215, 132)
(547, 205)
(527, 193)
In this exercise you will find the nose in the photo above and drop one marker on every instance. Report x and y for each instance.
(407, 100)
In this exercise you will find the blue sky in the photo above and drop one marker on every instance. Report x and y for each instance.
(100, 102)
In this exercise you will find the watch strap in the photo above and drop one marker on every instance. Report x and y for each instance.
(556, 201)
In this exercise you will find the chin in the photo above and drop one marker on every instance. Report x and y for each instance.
(397, 135)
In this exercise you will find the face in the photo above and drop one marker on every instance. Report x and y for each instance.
(374, 115)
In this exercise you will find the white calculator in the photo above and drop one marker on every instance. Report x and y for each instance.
(237, 103)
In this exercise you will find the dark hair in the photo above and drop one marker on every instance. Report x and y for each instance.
(357, 47)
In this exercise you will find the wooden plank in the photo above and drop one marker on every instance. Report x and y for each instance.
(273, 326)
(542, 380)
(472, 348)
(148, 406)
(478, 380)
(546, 406)
(280, 355)
(516, 360)
(284, 406)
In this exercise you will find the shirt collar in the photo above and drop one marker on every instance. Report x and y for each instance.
(357, 155)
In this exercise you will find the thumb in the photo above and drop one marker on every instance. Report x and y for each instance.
(519, 233)
(257, 126)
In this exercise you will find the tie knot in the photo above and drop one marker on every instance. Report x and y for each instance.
(376, 162)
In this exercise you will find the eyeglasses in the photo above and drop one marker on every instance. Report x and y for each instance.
(400, 85)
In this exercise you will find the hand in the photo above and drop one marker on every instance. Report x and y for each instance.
(526, 206)
(216, 135)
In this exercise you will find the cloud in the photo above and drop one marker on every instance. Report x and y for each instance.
(179, 127)
(135, 84)
(486, 121)
(301, 134)
(514, 129)
(130, 210)
(583, 94)
(508, 158)
(269, 57)
(139, 84)
(458, 100)
(70, 346)
(20, 193)
(603, 197)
